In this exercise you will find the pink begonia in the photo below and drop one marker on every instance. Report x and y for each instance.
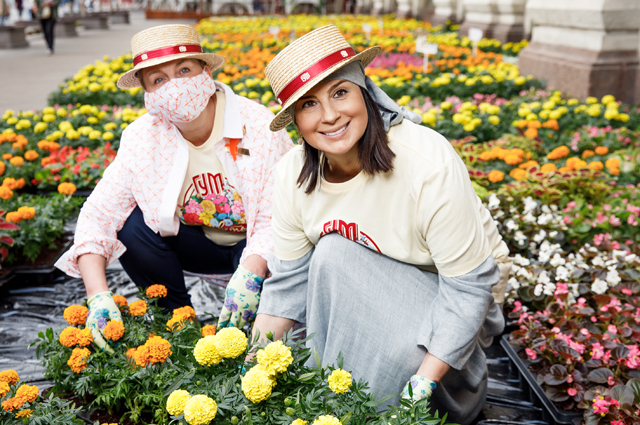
(582, 301)
(594, 319)
(585, 332)
(569, 379)
(633, 358)
(610, 381)
(632, 220)
(612, 329)
(627, 291)
(606, 357)
(561, 289)
(572, 391)
(601, 218)
(571, 204)
(601, 406)
(566, 219)
(532, 354)
(606, 207)
(518, 306)
(614, 220)
(633, 209)
(597, 351)
(615, 245)
(580, 348)
(555, 330)
(617, 423)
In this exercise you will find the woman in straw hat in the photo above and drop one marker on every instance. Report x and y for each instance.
(190, 188)
(382, 246)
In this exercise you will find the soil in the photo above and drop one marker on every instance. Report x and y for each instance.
(47, 256)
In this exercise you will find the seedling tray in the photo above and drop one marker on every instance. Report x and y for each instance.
(551, 413)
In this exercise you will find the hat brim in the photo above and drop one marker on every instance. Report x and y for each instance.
(284, 118)
(130, 80)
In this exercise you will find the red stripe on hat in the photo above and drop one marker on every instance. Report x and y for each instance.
(166, 51)
(308, 74)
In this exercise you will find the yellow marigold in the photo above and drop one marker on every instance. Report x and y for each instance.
(559, 152)
(26, 413)
(27, 393)
(78, 360)
(17, 161)
(327, 420)
(518, 174)
(27, 213)
(185, 312)
(496, 176)
(4, 388)
(208, 330)
(114, 330)
(67, 188)
(275, 356)
(531, 133)
(138, 308)
(339, 381)
(256, 385)
(156, 291)
(206, 352)
(159, 349)
(176, 402)
(31, 155)
(9, 376)
(200, 410)
(602, 150)
(231, 342)
(120, 300)
(587, 154)
(528, 164)
(69, 336)
(546, 168)
(596, 165)
(299, 422)
(76, 314)
(612, 163)
(5, 193)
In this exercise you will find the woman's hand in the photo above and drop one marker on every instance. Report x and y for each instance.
(241, 298)
(101, 309)
(421, 388)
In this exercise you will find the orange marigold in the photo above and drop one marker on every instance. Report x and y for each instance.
(496, 176)
(565, 169)
(76, 314)
(612, 163)
(114, 330)
(534, 124)
(159, 349)
(156, 291)
(531, 133)
(4, 388)
(187, 312)
(120, 300)
(559, 152)
(45, 161)
(17, 161)
(26, 413)
(28, 393)
(596, 165)
(20, 183)
(10, 182)
(13, 217)
(84, 337)
(176, 323)
(13, 403)
(9, 376)
(518, 174)
(602, 150)
(576, 163)
(3, 167)
(614, 171)
(69, 336)
(7, 156)
(78, 360)
(528, 164)
(500, 153)
(546, 168)
(27, 213)
(138, 308)
(31, 155)
(140, 356)
(587, 154)
(551, 124)
(208, 330)
(130, 354)
(486, 156)
(67, 188)
(5, 192)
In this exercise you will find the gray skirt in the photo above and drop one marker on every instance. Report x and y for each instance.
(384, 315)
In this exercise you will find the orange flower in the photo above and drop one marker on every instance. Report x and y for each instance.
(546, 168)
(486, 156)
(26, 413)
(120, 300)
(159, 349)
(208, 330)
(156, 291)
(614, 171)
(4, 388)
(7, 156)
(186, 312)
(13, 403)
(559, 152)
(28, 393)
(500, 153)
(565, 169)
(528, 164)
(176, 323)
(13, 217)
(5, 192)
(114, 330)
(140, 356)
(67, 188)
(69, 336)
(587, 154)
(3, 167)
(496, 176)
(518, 174)
(27, 213)
(76, 314)
(612, 163)
(522, 124)
(531, 133)
(45, 161)
(138, 308)
(513, 159)
(130, 354)
(20, 183)
(10, 182)
(596, 165)
(17, 161)
(78, 360)
(602, 150)
(31, 155)
(551, 124)
(9, 376)
(84, 337)
(534, 124)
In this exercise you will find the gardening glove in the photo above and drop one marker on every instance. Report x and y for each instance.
(421, 387)
(241, 299)
(102, 308)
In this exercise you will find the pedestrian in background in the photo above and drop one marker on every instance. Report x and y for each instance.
(47, 12)
(20, 7)
(4, 11)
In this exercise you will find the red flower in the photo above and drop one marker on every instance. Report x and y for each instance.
(192, 218)
(76, 169)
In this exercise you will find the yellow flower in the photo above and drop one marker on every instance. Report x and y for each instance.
(206, 352)
(494, 119)
(591, 100)
(200, 410)
(76, 314)
(62, 112)
(107, 135)
(327, 420)
(177, 401)
(275, 356)
(9, 376)
(520, 81)
(40, 127)
(26, 413)
(299, 422)
(48, 117)
(231, 342)
(114, 330)
(257, 385)
(339, 381)
(94, 134)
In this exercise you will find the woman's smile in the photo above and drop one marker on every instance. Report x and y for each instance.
(336, 134)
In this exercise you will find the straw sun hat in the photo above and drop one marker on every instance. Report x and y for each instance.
(165, 43)
(306, 62)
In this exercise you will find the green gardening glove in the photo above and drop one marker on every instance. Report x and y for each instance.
(421, 388)
(241, 299)
(102, 308)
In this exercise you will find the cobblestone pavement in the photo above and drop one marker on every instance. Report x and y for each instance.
(28, 75)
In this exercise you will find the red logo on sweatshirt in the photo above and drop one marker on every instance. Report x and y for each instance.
(350, 231)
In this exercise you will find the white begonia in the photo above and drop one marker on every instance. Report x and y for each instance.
(616, 253)
(543, 277)
(529, 218)
(630, 258)
(537, 291)
(544, 219)
(513, 283)
(544, 256)
(494, 201)
(553, 234)
(525, 273)
(597, 261)
(613, 278)
(545, 209)
(520, 260)
(539, 237)
(498, 215)
(562, 274)
(520, 238)
(549, 288)
(511, 225)
(529, 205)
(599, 286)
(554, 207)
(557, 260)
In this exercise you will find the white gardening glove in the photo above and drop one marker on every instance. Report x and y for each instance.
(102, 308)
(241, 299)
(421, 387)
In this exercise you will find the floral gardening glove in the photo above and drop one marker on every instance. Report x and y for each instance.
(421, 387)
(241, 299)
(102, 308)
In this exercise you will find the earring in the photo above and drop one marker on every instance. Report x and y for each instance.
(301, 140)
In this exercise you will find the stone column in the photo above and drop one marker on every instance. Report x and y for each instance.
(585, 47)
(363, 6)
(444, 10)
(404, 8)
(500, 19)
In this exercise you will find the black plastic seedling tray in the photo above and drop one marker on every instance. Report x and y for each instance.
(551, 413)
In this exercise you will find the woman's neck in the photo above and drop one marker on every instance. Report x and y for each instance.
(197, 132)
(341, 168)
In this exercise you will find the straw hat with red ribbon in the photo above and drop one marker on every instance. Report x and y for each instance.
(165, 43)
(306, 62)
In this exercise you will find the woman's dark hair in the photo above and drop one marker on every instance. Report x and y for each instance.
(374, 153)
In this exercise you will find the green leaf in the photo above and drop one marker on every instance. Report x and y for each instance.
(316, 357)
(346, 418)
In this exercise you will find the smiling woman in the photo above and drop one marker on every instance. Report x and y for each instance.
(388, 224)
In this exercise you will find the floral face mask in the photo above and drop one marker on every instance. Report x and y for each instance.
(181, 99)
